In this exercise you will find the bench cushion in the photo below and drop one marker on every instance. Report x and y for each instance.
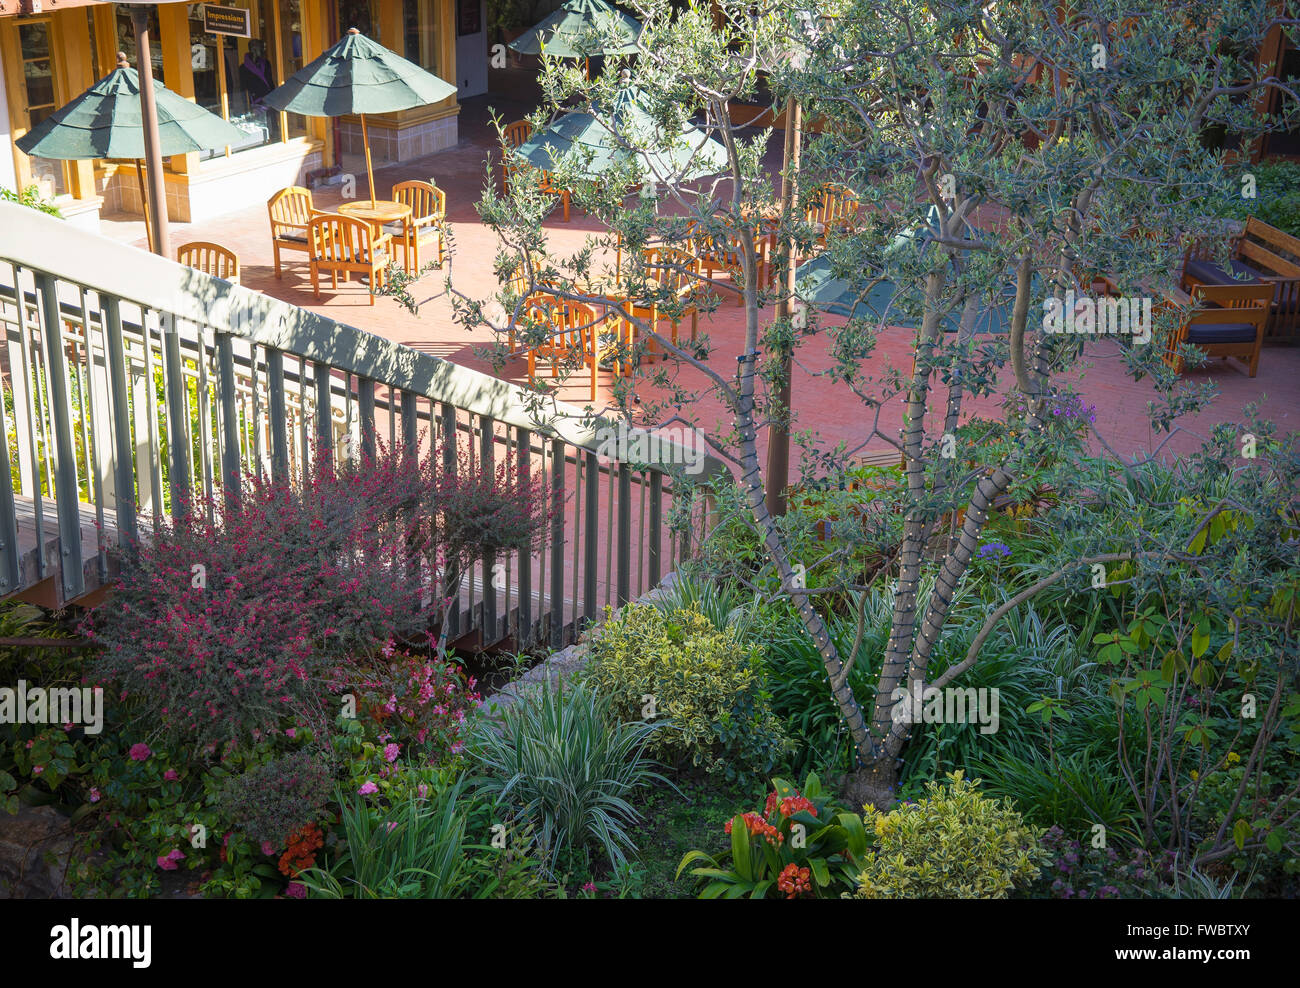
(1221, 332)
(1209, 273)
(292, 238)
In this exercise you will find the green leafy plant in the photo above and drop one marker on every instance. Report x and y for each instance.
(799, 846)
(952, 843)
(558, 758)
(707, 682)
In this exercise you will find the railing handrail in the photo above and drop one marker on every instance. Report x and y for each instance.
(38, 242)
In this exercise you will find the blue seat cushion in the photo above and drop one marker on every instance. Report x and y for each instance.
(1221, 332)
(1209, 273)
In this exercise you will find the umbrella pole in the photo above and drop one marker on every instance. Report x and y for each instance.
(149, 122)
(370, 172)
(144, 203)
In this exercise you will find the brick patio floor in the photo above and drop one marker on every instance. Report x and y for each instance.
(829, 410)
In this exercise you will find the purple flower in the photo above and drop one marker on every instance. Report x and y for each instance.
(367, 788)
(994, 549)
(170, 775)
(296, 890)
(391, 752)
(139, 752)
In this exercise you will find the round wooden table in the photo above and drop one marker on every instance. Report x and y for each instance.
(380, 212)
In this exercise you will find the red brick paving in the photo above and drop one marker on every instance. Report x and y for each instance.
(830, 410)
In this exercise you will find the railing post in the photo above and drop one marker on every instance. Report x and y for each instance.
(624, 548)
(656, 525)
(366, 412)
(10, 574)
(557, 543)
(67, 496)
(324, 415)
(178, 414)
(487, 459)
(452, 577)
(524, 632)
(124, 487)
(591, 538)
(279, 417)
(230, 458)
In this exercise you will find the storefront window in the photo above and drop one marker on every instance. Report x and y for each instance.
(126, 41)
(39, 92)
(291, 59)
(420, 33)
(359, 14)
(233, 75)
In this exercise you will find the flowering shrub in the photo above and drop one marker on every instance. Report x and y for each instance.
(953, 843)
(1075, 871)
(798, 846)
(417, 703)
(706, 682)
(221, 628)
(273, 801)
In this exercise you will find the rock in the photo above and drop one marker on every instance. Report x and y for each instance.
(27, 840)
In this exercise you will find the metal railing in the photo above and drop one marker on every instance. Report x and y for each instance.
(131, 381)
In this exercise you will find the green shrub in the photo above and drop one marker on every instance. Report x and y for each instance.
(952, 844)
(560, 762)
(1277, 196)
(707, 682)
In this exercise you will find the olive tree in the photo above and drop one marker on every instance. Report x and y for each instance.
(1009, 158)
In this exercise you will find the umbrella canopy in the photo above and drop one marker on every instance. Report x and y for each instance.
(818, 286)
(358, 76)
(581, 29)
(105, 122)
(592, 143)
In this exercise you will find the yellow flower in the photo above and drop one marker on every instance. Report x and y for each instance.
(1233, 758)
(1195, 775)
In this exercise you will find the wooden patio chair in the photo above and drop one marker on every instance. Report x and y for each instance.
(211, 259)
(290, 210)
(722, 255)
(515, 136)
(1229, 322)
(679, 272)
(572, 339)
(427, 224)
(346, 245)
(831, 209)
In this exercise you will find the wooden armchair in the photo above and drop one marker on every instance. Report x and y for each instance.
(427, 223)
(515, 136)
(345, 245)
(722, 254)
(572, 335)
(211, 259)
(832, 209)
(290, 210)
(1262, 254)
(677, 273)
(1230, 323)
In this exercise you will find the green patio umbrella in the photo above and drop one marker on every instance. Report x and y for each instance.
(358, 76)
(580, 29)
(106, 122)
(818, 286)
(592, 142)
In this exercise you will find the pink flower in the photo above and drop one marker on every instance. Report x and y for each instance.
(391, 752)
(168, 862)
(139, 752)
(94, 795)
(367, 788)
(423, 790)
(392, 825)
(170, 775)
(291, 733)
(267, 849)
(37, 769)
(589, 887)
(296, 890)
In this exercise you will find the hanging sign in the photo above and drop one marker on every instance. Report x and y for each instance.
(233, 21)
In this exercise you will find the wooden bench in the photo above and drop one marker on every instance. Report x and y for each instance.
(1262, 254)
